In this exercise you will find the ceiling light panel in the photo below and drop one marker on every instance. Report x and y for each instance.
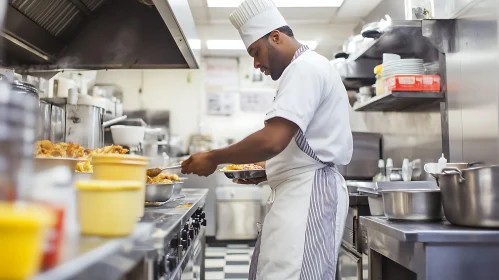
(281, 3)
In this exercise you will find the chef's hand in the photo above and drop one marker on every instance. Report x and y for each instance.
(255, 181)
(200, 164)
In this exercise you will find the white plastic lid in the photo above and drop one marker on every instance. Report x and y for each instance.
(389, 162)
(381, 163)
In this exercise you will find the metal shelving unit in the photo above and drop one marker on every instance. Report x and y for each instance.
(402, 101)
(404, 38)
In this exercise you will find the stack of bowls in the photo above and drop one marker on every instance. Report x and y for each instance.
(410, 66)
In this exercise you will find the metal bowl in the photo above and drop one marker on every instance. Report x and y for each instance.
(159, 192)
(245, 174)
(177, 188)
(414, 205)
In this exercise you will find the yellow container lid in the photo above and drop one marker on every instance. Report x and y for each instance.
(119, 159)
(25, 215)
(378, 69)
(108, 185)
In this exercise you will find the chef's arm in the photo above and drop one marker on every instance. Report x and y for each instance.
(259, 146)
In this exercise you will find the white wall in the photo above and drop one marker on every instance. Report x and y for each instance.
(182, 93)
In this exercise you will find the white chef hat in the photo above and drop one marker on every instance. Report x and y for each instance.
(256, 18)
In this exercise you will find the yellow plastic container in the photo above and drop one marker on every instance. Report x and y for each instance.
(122, 167)
(105, 207)
(22, 233)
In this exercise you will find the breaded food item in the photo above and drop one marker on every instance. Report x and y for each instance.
(240, 167)
(163, 178)
(47, 149)
(86, 166)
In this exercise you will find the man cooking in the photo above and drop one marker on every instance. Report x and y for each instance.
(306, 134)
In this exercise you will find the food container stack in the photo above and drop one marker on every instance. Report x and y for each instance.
(408, 75)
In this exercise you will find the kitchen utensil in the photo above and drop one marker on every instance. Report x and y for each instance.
(114, 121)
(22, 235)
(122, 167)
(177, 188)
(375, 204)
(57, 124)
(84, 125)
(130, 136)
(18, 111)
(153, 172)
(416, 205)
(159, 192)
(245, 174)
(471, 196)
(104, 206)
(44, 128)
(395, 175)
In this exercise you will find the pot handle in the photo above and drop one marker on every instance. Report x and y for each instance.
(475, 163)
(454, 170)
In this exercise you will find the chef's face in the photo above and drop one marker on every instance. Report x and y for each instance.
(266, 56)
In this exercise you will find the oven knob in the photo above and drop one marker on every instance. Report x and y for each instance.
(195, 223)
(203, 215)
(174, 243)
(185, 234)
(185, 243)
(172, 263)
(162, 266)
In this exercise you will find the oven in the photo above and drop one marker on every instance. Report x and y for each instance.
(352, 264)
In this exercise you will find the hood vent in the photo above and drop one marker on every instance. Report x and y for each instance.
(98, 34)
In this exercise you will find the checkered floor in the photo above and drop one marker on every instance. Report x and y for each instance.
(228, 263)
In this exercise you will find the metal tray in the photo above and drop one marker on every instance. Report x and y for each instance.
(158, 192)
(245, 174)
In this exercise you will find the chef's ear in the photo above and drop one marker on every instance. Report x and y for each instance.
(275, 36)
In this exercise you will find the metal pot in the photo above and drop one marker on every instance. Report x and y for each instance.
(416, 205)
(159, 192)
(471, 196)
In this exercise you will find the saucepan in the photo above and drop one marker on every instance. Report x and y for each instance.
(470, 196)
(432, 168)
(412, 204)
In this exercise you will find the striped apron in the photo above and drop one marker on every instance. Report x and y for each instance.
(302, 231)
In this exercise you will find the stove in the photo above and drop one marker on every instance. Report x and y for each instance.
(351, 262)
(178, 248)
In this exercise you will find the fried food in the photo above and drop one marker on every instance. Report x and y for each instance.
(163, 178)
(47, 149)
(86, 166)
(240, 167)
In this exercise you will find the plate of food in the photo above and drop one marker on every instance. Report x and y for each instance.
(243, 171)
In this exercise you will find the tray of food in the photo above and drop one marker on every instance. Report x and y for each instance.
(243, 171)
(48, 154)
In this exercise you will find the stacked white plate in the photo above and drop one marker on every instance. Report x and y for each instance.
(409, 66)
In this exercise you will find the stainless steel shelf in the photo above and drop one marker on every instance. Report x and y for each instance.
(402, 101)
(404, 38)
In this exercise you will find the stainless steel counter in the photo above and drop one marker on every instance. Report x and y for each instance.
(88, 257)
(428, 251)
(430, 232)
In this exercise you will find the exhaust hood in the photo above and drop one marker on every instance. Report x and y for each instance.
(41, 35)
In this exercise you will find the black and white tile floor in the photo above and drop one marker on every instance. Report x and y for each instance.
(230, 262)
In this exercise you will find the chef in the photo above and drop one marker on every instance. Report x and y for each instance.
(306, 135)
